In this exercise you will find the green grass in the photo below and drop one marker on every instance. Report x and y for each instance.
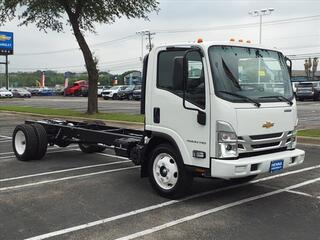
(309, 133)
(70, 113)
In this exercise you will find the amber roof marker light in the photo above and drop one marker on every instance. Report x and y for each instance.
(200, 40)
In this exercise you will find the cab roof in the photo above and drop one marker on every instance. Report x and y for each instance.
(207, 44)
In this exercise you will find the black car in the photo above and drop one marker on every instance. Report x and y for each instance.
(137, 94)
(128, 92)
(308, 90)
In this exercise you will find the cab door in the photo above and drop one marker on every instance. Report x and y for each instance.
(178, 106)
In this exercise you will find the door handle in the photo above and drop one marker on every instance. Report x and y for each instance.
(156, 115)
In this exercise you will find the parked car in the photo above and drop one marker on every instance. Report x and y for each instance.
(79, 88)
(59, 91)
(136, 95)
(20, 93)
(113, 92)
(308, 90)
(46, 92)
(34, 91)
(295, 80)
(101, 89)
(4, 93)
(128, 92)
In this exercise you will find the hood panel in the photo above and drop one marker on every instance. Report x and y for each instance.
(251, 121)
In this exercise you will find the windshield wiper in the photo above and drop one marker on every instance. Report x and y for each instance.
(280, 98)
(256, 103)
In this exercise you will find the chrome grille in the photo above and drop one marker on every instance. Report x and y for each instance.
(264, 142)
(266, 136)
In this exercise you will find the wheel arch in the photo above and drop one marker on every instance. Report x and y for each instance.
(156, 139)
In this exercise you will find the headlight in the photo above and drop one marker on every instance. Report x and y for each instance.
(293, 140)
(227, 144)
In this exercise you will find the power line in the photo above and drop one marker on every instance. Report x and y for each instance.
(75, 49)
(247, 25)
(223, 27)
(301, 47)
(111, 63)
(304, 54)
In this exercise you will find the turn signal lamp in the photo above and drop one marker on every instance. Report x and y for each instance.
(200, 40)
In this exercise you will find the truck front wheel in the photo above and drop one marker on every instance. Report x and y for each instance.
(167, 173)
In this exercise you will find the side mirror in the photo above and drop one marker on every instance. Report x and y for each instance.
(201, 117)
(289, 65)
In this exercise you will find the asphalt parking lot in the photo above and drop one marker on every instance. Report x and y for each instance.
(71, 195)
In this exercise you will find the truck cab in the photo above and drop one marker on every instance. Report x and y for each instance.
(222, 110)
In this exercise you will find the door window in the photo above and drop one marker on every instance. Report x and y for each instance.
(195, 84)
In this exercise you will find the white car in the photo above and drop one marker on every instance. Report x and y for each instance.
(4, 93)
(100, 90)
(113, 92)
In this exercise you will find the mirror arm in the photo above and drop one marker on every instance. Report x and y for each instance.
(201, 117)
(289, 67)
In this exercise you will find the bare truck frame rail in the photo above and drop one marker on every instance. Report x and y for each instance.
(92, 136)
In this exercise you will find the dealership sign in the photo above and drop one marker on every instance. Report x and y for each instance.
(6, 43)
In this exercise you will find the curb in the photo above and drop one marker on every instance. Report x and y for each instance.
(309, 140)
(132, 125)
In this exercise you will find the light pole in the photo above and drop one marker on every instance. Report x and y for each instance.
(144, 33)
(141, 33)
(260, 14)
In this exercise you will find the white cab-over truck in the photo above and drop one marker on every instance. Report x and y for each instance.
(220, 110)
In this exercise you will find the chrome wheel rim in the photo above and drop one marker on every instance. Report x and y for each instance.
(20, 142)
(165, 171)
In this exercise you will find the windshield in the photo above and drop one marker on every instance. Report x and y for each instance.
(253, 73)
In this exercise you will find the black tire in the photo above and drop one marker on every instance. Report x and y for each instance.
(30, 143)
(184, 178)
(115, 96)
(77, 93)
(244, 179)
(42, 141)
(91, 148)
(130, 97)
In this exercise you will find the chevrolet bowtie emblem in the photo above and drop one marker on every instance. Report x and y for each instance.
(268, 125)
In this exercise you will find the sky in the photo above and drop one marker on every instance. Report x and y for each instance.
(118, 47)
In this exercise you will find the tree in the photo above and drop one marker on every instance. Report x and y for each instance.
(81, 15)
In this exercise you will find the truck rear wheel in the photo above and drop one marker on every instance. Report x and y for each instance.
(167, 173)
(91, 148)
(41, 134)
(24, 142)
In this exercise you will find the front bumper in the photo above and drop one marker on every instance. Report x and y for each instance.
(107, 95)
(228, 169)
